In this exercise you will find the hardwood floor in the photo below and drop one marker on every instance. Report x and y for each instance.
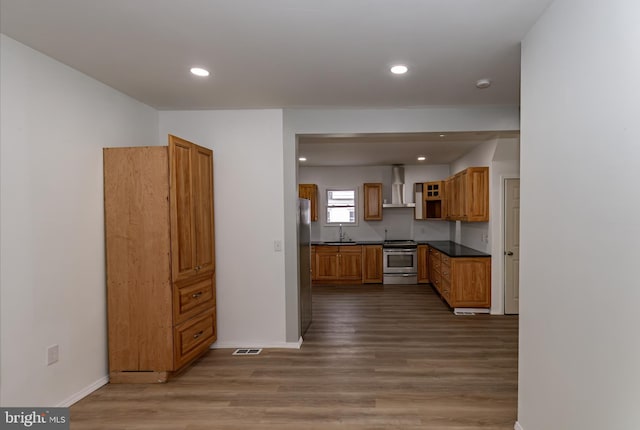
(375, 357)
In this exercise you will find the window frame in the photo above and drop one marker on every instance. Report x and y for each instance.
(327, 206)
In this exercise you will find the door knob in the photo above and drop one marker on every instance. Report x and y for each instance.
(508, 253)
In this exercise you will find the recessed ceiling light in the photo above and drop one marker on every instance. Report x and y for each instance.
(422, 158)
(302, 159)
(198, 71)
(483, 83)
(399, 69)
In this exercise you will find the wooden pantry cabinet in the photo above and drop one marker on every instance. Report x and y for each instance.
(160, 258)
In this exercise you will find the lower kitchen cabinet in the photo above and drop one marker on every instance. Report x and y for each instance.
(463, 282)
(314, 276)
(423, 264)
(338, 264)
(372, 264)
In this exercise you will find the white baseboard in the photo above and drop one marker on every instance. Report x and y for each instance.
(517, 426)
(474, 310)
(83, 393)
(276, 345)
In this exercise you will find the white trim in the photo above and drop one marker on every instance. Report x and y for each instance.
(252, 345)
(83, 393)
(503, 234)
(517, 426)
(474, 310)
(322, 205)
(497, 260)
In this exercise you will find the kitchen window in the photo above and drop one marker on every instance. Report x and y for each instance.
(341, 206)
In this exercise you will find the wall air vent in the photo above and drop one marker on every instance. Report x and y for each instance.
(247, 351)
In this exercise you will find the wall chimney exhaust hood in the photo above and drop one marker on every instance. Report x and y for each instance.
(397, 189)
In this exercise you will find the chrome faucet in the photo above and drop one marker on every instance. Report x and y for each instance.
(341, 234)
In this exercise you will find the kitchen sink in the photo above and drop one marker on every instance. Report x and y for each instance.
(340, 243)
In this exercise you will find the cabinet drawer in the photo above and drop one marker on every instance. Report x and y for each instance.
(445, 272)
(444, 259)
(437, 282)
(436, 265)
(193, 297)
(445, 290)
(194, 336)
(434, 254)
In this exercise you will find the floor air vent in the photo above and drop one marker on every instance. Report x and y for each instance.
(247, 351)
(464, 313)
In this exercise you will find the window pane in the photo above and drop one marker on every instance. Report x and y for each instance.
(341, 198)
(341, 215)
(341, 206)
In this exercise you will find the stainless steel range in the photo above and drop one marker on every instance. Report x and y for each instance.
(400, 262)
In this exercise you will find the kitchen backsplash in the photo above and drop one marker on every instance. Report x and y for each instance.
(399, 224)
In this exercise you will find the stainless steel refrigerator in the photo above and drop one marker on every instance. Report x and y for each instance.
(304, 270)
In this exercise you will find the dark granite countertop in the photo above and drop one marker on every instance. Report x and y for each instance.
(357, 242)
(447, 247)
(453, 249)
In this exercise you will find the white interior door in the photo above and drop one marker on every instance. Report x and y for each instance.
(512, 246)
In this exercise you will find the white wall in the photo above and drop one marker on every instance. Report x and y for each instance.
(399, 222)
(55, 122)
(249, 205)
(302, 121)
(579, 319)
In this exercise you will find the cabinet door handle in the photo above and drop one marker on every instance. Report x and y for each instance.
(196, 295)
(197, 335)
(508, 253)
(197, 268)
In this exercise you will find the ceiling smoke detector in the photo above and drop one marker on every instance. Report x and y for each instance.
(483, 83)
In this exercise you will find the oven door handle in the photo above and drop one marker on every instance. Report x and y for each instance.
(396, 250)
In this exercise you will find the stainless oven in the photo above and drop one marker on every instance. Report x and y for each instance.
(400, 262)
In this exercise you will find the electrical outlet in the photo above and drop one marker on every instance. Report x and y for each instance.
(277, 245)
(53, 353)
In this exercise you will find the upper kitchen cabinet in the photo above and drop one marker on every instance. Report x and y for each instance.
(373, 202)
(310, 192)
(430, 198)
(468, 195)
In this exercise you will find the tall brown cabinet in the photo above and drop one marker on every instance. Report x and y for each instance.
(160, 258)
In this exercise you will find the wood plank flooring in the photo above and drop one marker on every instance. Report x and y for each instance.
(375, 357)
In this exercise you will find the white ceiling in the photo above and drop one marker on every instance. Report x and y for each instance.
(391, 148)
(285, 53)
